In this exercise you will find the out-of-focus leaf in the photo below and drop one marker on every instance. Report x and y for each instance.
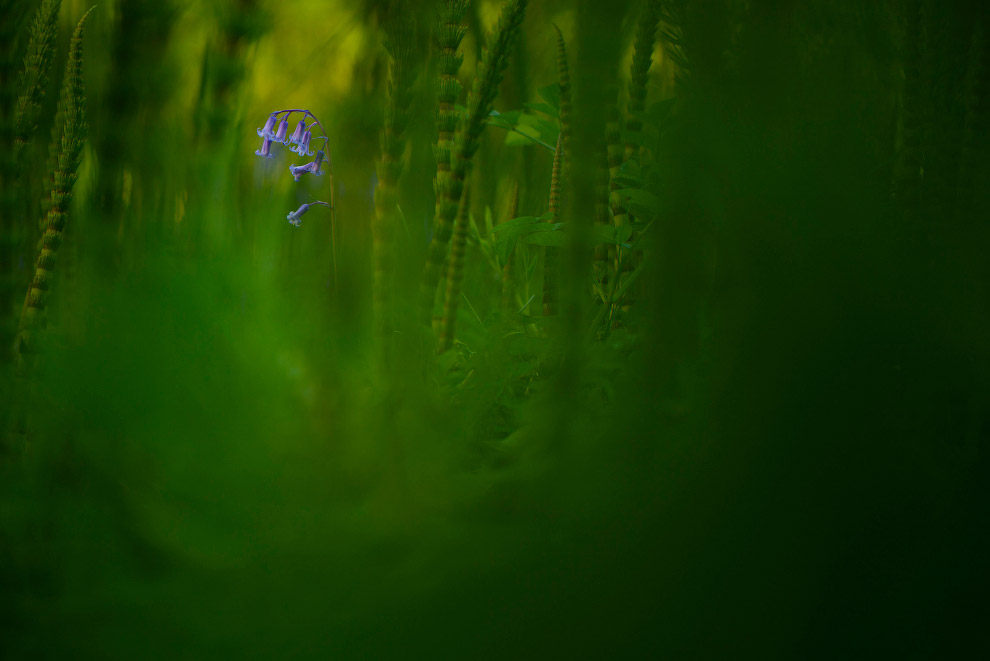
(544, 238)
(522, 134)
(551, 94)
(630, 175)
(640, 139)
(517, 226)
(604, 234)
(544, 108)
(642, 204)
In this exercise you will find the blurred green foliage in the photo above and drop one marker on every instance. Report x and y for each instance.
(768, 439)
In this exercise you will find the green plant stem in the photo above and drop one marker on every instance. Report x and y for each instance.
(455, 273)
(646, 33)
(508, 284)
(492, 67)
(551, 261)
(551, 253)
(34, 77)
(399, 36)
(68, 136)
(449, 34)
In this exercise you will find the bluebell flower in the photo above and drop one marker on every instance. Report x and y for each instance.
(266, 132)
(299, 170)
(313, 167)
(298, 133)
(295, 217)
(266, 148)
(283, 128)
(303, 147)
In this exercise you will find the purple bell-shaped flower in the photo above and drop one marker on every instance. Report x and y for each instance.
(303, 147)
(283, 128)
(313, 167)
(298, 133)
(295, 217)
(266, 132)
(266, 148)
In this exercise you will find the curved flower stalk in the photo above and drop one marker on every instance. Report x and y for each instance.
(276, 131)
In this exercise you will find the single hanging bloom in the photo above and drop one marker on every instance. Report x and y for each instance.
(299, 170)
(303, 148)
(266, 132)
(314, 167)
(298, 133)
(283, 128)
(295, 217)
(266, 148)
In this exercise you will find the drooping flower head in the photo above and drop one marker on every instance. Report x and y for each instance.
(276, 129)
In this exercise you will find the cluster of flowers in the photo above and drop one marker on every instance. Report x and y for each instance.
(300, 139)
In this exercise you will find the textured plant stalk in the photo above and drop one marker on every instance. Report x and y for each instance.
(616, 156)
(646, 34)
(508, 281)
(491, 69)
(455, 273)
(450, 32)
(551, 261)
(671, 13)
(34, 77)
(13, 229)
(601, 211)
(398, 39)
(68, 136)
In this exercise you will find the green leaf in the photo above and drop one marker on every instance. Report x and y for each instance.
(630, 175)
(642, 204)
(640, 139)
(506, 120)
(660, 110)
(622, 233)
(544, 108)
(628, 282)
(604, 234)
(519, 226)
(544, 238)
(488, 220)
(551, 94)
(522, 134)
